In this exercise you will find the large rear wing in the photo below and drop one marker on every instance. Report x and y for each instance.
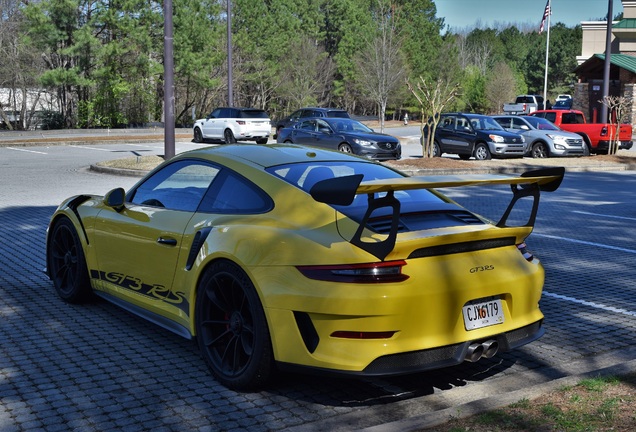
(343, 190)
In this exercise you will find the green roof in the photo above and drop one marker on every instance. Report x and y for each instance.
(623, 61)
(627, 23)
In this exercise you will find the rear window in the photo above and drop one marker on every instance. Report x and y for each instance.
(253, 113)
(338, 114)
(305, 175)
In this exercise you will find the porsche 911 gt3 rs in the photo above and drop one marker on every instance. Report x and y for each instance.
(284, 256)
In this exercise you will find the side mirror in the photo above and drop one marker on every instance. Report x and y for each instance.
(115, 199)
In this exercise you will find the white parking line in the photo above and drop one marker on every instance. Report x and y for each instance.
(23, 150)
(93, 148)
(601, 245)
(603, 215)
(591, 304)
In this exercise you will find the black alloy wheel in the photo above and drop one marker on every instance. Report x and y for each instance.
(231, 327)
(67, 264)
(198, 136)
(229, 136)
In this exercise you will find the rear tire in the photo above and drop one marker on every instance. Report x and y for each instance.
(437, 151)
(262, 141)
(229, 137)
(482, 152)
(67, 264)
(231, 326)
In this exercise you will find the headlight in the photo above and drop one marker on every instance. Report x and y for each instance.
(558, 139)
(496, 138)
(363, 142)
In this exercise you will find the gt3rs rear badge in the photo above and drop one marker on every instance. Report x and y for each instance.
(155, 291)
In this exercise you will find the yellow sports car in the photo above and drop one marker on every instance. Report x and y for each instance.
(285, 256)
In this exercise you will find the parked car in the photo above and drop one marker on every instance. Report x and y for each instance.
(346, 135)
(544, 139)
(234, 124)
(477, 135)
(310, 112)
(596, 136)
(562, 104)
(524, 104)
(288, 257)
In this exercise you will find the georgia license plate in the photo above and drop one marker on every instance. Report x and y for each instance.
(482, 313)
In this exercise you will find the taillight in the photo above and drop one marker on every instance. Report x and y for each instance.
(525, 252)
(241, 122)
(381, 272)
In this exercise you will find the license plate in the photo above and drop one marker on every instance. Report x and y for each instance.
(482, 313)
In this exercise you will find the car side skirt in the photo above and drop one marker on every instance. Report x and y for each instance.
(428, 359)
(154, 318)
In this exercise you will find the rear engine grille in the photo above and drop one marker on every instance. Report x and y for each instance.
(463, 247)
(425, 220)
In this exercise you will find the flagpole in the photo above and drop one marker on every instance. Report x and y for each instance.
(547, 51)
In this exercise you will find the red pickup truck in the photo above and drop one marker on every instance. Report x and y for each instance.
(596, 135)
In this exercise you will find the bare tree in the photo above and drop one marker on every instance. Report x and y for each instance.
(307, 73)
(617, 106)
(381, 66)
(501, 87)
(433, 98)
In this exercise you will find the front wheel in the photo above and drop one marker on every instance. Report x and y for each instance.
(345, 148)
(229, 137)
(67, 264)
(198, 135)
(482, 152)
(231, 327)
(540, 150)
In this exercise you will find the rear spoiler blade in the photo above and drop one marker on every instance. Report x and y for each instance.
(342, 191)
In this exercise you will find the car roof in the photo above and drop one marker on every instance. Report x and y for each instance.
(269, 155)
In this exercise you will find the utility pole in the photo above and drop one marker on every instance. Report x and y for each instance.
(168, 82)
(230, 95)
(608, 60)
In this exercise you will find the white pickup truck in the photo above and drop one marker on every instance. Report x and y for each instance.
(524, 104)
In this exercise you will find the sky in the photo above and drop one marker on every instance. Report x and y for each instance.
(466, 14)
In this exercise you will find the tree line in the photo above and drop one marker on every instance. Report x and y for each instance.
(99, 63)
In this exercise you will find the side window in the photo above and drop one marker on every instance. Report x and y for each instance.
(233, 194)
(568, 118)
(550, 116)
(226, 113)
(295, 115)
(215, 114)
(518, 124)
(448, 122)
(323, 126)
(308, 125)
(178, 186)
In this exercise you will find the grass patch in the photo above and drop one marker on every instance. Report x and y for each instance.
(593, 405)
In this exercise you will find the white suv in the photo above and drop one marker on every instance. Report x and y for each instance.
(234, 124)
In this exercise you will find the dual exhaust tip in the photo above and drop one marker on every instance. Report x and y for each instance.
(478, 350)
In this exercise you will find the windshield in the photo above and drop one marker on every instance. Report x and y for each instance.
(484, 123)
(306, 174)
(541, 123)
(348, 125)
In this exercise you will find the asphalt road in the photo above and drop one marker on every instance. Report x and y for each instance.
(97, 368)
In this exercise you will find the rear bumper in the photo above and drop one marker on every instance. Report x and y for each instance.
(431, 359)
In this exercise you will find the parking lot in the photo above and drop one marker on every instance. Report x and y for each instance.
(97, 368)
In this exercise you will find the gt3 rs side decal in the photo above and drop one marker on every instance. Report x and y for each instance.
(154, 291)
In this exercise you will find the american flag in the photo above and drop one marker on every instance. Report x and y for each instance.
(546, 13)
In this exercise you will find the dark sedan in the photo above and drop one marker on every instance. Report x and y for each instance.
(346, 135)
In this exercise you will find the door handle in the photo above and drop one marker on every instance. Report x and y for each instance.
(167, 241)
